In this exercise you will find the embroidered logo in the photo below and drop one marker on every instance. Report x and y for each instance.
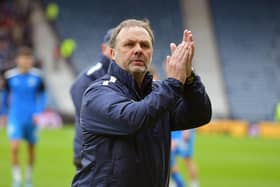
(112, 80)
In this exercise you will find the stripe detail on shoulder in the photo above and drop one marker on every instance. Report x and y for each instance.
(94, 68)
(11, 73)
(36, 72)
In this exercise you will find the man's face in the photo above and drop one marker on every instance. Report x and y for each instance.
(24, 62)
(133, 50)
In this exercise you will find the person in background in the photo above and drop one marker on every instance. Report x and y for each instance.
(176, 176)
(183, 146)
(80, 85)
(126, 117)
(23, 100)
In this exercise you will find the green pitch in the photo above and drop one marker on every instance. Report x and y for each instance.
(222, 160)
(225, 161)
(53, 167)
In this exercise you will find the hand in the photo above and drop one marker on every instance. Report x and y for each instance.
(188, 38)
(179, 64)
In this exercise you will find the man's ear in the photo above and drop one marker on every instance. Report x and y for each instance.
(113, 53)
(103, 47)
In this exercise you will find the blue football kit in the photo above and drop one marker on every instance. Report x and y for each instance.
(23, 97)
(184, 148)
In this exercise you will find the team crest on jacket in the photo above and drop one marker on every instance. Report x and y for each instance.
(112, 80)
(31, 82)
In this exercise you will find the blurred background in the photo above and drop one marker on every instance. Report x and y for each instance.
(237, 57)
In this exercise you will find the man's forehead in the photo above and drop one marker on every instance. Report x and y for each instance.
(134, 33)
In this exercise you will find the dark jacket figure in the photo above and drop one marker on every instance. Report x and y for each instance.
(77, 90)
(126, 130)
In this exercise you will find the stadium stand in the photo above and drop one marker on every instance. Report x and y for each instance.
(248, 40)
(87, 21)
(59, 74)
(15, 30)
(18, 27)
(269, 129)
(247, 33)
(237, 128)
(206, 61)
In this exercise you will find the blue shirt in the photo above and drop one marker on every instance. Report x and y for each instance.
(184, 146)
(179, 135)
(23, 95)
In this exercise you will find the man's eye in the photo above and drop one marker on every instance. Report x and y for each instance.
(129, 44)
(144, 45)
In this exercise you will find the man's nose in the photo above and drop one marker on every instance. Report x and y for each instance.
(138, 48)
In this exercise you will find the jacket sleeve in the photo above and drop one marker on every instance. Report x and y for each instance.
(105, 110)
(77, 90)
(193, 109)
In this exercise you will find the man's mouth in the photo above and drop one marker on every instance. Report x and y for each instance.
(138, 62)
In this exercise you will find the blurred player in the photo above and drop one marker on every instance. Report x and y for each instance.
(23, 100)
(80, 85)
(176, 139)
(183, 145)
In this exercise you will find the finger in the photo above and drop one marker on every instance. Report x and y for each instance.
(181, 51)
(167, 60)
(180, 56)
(185, 35)
(190, 37)
(191, 51)
(189, 59)
(172, 47)
(186, 51)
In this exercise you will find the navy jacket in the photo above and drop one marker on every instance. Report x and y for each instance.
(126, 129)
(77, 90)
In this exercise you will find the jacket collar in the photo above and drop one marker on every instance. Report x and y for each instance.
(105, 61)
(129, 80)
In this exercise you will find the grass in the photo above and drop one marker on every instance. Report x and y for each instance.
(53, 163)
(222, 160)
(236, 162)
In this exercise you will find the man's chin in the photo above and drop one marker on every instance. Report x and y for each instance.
(138, 69)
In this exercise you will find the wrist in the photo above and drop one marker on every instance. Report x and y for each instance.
(190, 78)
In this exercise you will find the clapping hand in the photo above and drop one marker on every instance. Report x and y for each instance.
(179, 64)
